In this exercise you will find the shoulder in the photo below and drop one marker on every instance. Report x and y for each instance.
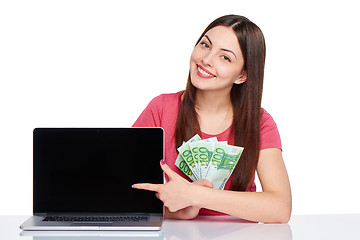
(269, 133)
(266, 119)
(160, 110)
(170, 98)
(166, 99)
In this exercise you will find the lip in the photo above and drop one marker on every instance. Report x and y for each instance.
(203, 69)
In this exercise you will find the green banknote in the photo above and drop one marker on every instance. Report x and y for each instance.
(195, 154)
(222, 164)
(208, 159)
(185, 153)
(181, 164)
(202, 151)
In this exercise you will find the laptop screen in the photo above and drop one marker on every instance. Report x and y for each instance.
(87, 170)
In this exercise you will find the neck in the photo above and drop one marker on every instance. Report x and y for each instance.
(213, 102)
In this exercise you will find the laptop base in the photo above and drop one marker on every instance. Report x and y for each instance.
(36, 223)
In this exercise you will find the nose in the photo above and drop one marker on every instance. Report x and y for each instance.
(207, 59)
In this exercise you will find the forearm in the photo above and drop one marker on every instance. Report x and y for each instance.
(254, 206)
(185, 213)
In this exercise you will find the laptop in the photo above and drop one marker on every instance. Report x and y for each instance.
(82, 179)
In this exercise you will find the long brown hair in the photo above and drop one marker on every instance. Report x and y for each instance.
(245, 98)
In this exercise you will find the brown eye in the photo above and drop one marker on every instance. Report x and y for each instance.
(204, 44)
(226, 58)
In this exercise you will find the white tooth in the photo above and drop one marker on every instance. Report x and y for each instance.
(203, 72)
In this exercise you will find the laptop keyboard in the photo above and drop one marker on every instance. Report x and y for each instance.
(96, 218)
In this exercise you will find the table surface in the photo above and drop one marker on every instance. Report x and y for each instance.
(342, 226)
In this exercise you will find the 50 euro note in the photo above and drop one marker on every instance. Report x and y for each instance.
(222, 164)
(185, 156)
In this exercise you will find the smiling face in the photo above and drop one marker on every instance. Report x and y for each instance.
(217, 62)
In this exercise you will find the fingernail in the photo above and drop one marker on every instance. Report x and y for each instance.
(162, 162)
(133, 186)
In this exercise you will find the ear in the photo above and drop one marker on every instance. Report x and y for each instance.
(242, 78)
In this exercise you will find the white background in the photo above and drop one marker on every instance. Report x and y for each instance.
(72, 63)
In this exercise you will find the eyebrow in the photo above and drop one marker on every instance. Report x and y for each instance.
(223, 49)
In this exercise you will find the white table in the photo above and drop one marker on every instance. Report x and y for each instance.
(344, 226)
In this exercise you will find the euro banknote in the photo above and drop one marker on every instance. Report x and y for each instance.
(222, 164)
(208, 159)
(186, 156)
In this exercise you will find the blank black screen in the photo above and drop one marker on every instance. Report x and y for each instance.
(89, 170)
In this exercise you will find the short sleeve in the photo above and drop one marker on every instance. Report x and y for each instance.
(151, 116)
(269, 133)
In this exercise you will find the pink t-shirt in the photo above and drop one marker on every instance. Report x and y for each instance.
(162, 111)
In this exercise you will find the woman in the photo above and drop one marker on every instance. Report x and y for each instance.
(223, 99)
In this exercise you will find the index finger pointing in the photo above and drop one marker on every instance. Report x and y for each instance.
(146, 186)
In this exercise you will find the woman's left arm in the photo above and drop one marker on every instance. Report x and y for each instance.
(271, 205)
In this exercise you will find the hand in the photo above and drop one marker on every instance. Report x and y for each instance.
(191, 211)
(176, 194)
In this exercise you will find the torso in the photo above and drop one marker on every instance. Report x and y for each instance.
(162, 112)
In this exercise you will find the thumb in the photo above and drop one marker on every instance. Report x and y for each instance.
(204, 182)
(168, 171)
